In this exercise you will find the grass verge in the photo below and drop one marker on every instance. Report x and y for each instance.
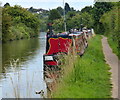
(90, 76)
(114, 45)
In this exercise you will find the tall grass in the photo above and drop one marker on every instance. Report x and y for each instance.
(15, 78)
(87, 77)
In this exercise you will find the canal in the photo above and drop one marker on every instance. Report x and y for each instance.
(21, 73)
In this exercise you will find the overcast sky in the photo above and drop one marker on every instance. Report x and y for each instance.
(49, 4)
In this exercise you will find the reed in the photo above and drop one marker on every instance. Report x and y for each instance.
(16, 82)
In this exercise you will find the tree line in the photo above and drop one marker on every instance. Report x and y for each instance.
(18, 22)
(89, 16)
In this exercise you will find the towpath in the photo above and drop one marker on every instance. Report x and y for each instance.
(112, 60)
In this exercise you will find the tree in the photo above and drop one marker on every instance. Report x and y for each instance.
(87, 9)
(17, 23)
(67, 8)
(7, 5)
(98, 10)
(54, 14)
(30, 9)
(58, 25)
(72, 9)
(70, 14)
(60, 10)
(6, 24)
(87, 20)
(110, 22)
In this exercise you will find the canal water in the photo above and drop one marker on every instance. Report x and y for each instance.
(21, 73)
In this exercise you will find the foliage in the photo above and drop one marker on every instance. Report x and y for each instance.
(70, 14)
(98, 10)
(85, 80)
(74, 20)
(89, 16)
(114, 45)
(6, 24)
(110, 22)
(7, 4)
(87, 9)
(72, 9)
(58, 25)
(18, 23)
(60, 10)
(54, 14)
(67, 8)
(87, 20)
(0, 22)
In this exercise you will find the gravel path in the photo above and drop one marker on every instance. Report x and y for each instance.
(112, 60)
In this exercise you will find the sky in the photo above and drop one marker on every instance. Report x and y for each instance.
(49, 4)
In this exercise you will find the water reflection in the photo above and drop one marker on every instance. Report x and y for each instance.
(22, 49)
(27, 77)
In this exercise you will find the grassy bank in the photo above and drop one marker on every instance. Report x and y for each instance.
(114, 45)
(90, 77)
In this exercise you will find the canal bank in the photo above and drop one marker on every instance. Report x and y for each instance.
(90, 77)
(27, 75)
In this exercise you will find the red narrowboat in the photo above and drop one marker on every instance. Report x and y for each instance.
(62, 44)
